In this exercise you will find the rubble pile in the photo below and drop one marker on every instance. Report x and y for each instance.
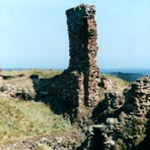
(51, 143)
(17, 91)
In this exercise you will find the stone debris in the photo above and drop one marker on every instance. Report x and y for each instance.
(44, 143)
(17, 91)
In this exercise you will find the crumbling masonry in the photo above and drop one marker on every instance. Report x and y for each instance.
(83, 50)
(78, 85)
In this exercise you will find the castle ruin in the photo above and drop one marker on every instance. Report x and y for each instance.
(77, 86)
(83, 50)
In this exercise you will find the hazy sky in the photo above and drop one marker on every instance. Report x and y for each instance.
(33, 33)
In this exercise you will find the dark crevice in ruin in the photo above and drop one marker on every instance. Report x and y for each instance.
(93, 142)
(84, 39)
(97, 112)
(97, 139)
(145, 144)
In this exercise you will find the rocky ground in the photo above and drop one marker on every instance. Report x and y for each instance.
(63, 141)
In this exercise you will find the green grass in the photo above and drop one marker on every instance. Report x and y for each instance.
(118, 84)
(21, 119)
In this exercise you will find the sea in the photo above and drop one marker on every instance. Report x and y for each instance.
(130, 75)
(132, 71)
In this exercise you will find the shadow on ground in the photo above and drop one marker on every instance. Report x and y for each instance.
(50, 91)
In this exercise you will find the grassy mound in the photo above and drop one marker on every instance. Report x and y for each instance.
(20, 119)
(118, 84)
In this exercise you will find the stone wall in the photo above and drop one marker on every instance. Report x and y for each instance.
(77, 86)
(114, 100)
(138, 97)
(122, 122)
(83, 49)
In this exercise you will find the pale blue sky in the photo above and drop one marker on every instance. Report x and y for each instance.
(33, 33)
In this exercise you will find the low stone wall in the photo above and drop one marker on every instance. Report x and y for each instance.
(114, 100)
(138, 97)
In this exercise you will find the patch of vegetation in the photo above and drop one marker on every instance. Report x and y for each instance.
(20, 119)
(118, 84)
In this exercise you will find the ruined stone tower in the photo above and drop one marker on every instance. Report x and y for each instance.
(83, 49)
(77, 86)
